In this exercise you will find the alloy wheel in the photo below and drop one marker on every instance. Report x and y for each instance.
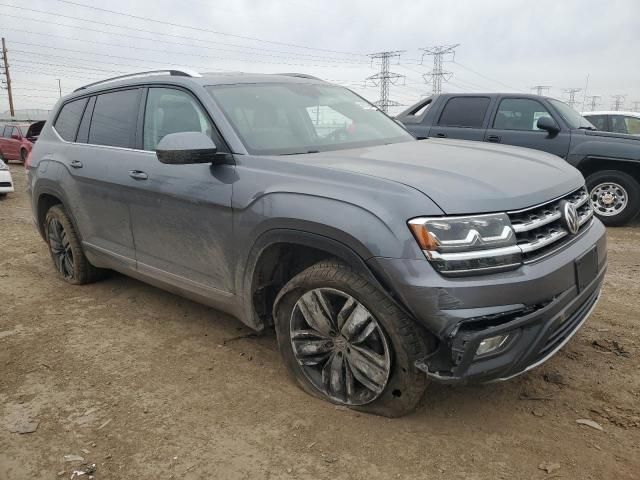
(60, 248)
(340, 346)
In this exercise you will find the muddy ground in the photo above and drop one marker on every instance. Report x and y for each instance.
(147, 385)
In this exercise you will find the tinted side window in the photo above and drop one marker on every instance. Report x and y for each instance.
(599, 121)
(69, 118)
(172, 111)
(519, 114)
(114, 119)
(464, 112)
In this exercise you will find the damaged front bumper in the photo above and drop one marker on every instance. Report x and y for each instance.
(526, 316)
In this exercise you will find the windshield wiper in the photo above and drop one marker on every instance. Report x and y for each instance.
(301, 153)
(587, 128)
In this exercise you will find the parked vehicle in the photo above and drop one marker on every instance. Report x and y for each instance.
(615, 121)
(6, 182)
(290, 202)
(610, 162)
(16, 140)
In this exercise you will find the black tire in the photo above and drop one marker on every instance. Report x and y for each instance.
(23, 156)
(406, 384)
(79, 271)
(631, 190)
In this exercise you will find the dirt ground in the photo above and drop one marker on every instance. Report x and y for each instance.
(148, 385)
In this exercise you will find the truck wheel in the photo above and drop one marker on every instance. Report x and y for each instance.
(66, 250)
(615, 196)
(342, 340)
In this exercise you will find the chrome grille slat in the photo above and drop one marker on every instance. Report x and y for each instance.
(541, 227)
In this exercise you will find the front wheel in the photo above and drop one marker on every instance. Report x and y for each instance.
(614, 195)
(344, 341)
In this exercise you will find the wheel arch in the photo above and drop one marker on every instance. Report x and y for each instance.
(591, 165)
(277, 256)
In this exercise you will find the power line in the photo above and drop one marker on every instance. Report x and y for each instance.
(540, 89)
(385, 78)
(498, 82)
(206, 30)
(438, 75)
(618, 101)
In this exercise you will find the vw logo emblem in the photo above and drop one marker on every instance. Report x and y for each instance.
(570, 217)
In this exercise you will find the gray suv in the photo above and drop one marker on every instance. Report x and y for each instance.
(292, 203)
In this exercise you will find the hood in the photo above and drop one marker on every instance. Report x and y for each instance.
(461, 177)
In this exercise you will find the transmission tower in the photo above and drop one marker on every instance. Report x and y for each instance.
(618, 102)
(385, 78)
(636, 106)
(540, 89)
(440, 53)
(572, 96)
(593, 102)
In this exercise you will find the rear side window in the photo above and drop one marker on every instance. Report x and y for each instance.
(464, 112)
(114, 119)
(69, 118)
(599, 121)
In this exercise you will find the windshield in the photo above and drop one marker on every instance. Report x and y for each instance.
(290, 118)
(573, 118)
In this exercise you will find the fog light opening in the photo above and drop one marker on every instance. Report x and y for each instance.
(491, 344)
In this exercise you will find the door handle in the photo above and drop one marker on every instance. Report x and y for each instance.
(441, 135)
(493, 138)
(138, 174)
(76, 164)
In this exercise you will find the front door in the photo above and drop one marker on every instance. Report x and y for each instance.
(181, 214)
(515, 124)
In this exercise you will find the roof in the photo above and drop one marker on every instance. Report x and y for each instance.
(612, 112)
(177, 76)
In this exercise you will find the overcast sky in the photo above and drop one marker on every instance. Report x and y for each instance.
(505, 45)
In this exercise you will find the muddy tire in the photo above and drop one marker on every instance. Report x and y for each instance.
(344, 341)
(66, 250)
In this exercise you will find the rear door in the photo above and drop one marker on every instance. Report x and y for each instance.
(97, 165)
(462, 117)
(514, 123)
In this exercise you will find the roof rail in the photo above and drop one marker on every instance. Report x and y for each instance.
(300, 75)
(174, 72)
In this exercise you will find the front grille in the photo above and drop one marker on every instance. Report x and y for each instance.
(5, 184)
(540, 230)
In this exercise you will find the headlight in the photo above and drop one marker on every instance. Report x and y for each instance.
(468, 245)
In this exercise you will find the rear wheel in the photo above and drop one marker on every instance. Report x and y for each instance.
(344, 341)
(23, 156)
(66, 250)
(615, 196)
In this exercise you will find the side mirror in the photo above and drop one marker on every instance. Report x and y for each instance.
(547, 123)
(187, 147)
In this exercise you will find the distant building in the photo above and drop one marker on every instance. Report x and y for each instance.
(25, 115)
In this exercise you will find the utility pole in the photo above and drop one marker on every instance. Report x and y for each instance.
(438, 75)
(385, 78)
(6, 73)
(540, 89)
(59, 88)
(594, 101)
(618, 102)
(572, 96)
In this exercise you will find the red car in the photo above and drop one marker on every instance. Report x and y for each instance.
(17, 139)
